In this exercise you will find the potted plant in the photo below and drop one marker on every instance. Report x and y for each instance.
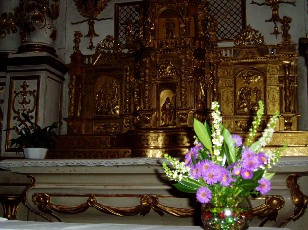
(34, 139)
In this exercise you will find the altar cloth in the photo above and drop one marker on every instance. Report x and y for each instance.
(32, 225)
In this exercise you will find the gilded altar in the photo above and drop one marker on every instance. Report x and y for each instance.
(138, 94)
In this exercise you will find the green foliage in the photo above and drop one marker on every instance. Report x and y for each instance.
(204, 134)
(34, 136)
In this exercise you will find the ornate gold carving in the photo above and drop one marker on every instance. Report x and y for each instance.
(107, 96)
(8, 24)
(299, 199)
(269, 210)
(274, 4)
(147, 203)
(167, 70)
(90, 10)
(10, 203)
(266, 212)
(187, 71)
(250, 89)
(249, 36)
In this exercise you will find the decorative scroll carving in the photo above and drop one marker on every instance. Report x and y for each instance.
(167, 70)
(249, 36)
(269, 210)
(23, 100)
(299, 199)
(266, 212)
(147, 203)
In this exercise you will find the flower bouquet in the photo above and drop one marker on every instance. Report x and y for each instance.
(223, 170)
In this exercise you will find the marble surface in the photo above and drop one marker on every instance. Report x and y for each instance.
(31, 225)
(293, 163)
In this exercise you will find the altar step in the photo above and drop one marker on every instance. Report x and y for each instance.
(138, 143)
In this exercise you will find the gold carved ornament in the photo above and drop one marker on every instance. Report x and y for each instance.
(299, 199)
(147, 203)
(268, 211)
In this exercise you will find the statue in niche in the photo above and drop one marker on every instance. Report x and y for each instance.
(167, 110)
(170, 28)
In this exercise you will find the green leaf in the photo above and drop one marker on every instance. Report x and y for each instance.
(257, 175)
(229, 146)
(255, 146)
(204, 134)
(268, 176)
(185, 186)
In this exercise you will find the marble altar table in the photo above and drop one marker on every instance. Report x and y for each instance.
(31, 225)
(130, 190)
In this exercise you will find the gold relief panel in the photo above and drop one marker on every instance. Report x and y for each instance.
(225, 72)
(249, 88)
(24, 98)
(226, 82)
(107, 127)
(148, 120)
(272, 99)
(167, 70)
(272, 80)
(272, 69)
(228, 123)
(227, 101)
(107, 91)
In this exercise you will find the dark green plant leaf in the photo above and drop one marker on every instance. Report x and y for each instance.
(204, 134)
(229, 148)
(186, 187)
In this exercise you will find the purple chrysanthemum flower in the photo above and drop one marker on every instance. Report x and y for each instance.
(237, 140)
(212, 175)
(226, 178)
(198, 146)
(196, 170)
(204, 195)
(236, 171)
(246, 174)
(262, 158)
(264, 186)
(206, 164)
(188, 158)
(247, 153)
(252, 162)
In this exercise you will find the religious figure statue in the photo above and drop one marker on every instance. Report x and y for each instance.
(167, 112)
(170, 27)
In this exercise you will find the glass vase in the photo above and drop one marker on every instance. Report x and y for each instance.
(235, 217)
